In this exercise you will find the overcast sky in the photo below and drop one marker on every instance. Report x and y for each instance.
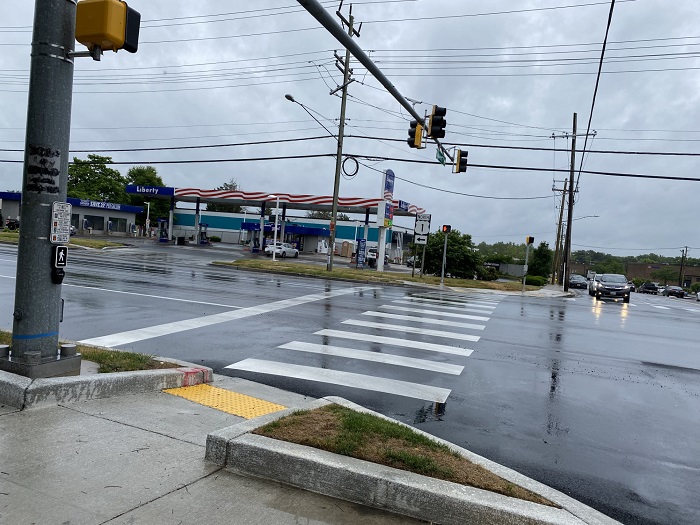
(510, 73)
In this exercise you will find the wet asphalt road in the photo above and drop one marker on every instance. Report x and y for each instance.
(598, 399)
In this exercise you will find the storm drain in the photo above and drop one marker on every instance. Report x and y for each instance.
(230, 402)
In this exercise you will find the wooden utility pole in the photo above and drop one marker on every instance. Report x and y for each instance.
(556, 274)
(570, 211)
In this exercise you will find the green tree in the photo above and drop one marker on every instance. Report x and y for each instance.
(462, 257)
(93, 179)
(231, 185)
(541, 261)
(147, 176)
(326, 215)
(665, 274)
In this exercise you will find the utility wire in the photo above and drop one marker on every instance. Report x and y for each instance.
(595, 91)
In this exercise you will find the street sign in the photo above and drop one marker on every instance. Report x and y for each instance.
(423, 217)
(420, 239)
(422, 228)
(361, 253)
(440, 156)
(60, 256)
(60, 223)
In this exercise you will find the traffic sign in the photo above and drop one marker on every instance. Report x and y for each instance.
(420, 239)
(422, 228)
(60, 223)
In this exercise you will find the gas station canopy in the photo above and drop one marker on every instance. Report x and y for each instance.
(290, 200)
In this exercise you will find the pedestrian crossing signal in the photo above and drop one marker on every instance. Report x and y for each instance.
(446, 228)
(107, 25)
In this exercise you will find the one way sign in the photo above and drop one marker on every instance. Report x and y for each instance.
(60, 256)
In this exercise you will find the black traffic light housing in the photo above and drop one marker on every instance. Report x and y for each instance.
(415, 135)
(446, 228)
(530, 240)
(437, 123)
(460, 161)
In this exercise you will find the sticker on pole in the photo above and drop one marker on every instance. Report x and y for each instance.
(60, 223)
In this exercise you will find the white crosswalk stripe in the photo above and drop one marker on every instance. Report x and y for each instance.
(434, 312)
(423, 320)
(377, 357)
(395, 341)
(475, 309)
(413, 330)
(349, 379)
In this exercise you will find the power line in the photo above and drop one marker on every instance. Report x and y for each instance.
(595, 91)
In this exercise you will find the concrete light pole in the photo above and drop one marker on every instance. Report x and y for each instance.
(37, 309)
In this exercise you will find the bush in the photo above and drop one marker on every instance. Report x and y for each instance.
(535, 280)
(695, 288)
(214, 238)
(486, 273)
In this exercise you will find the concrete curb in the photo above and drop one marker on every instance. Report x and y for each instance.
(23, 393)
(387, 488)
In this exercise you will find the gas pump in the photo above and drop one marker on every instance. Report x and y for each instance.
(202, 235)
(163, 231)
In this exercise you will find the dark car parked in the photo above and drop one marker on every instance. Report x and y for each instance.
(649, 288)
(12, 224)
(675, 291)
(614, 286)
(577, 281)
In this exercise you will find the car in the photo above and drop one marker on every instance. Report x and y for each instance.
(661, 289)
(282, 249)
(577, 281)
(73, 230)
(674, 291)
(12, 224)
(410, 261)
(614, 286)
(633, 287)
(649, 288)
(371, 257)
(593, 284)
(697, 297)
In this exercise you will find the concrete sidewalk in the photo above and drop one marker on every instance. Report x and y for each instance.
(130, 449)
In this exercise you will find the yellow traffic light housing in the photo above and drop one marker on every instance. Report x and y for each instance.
(415, 135)
(107, 24)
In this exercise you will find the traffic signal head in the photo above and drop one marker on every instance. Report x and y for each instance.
(437, 123)
(415, 135)
(107, 24)
(529, 240)
(446, 228)
(460, 161)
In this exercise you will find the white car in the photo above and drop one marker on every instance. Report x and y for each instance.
(282, 249)
(698, 297)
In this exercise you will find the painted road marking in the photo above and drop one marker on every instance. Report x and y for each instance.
(660, 307)
(395, 341)
(151, 296)
(227, 401)
(445, 306)
(349, 379)
(413, 330)
(423, 320)
(434, 312)
(132, 336)
(452, 308)
(376, 357)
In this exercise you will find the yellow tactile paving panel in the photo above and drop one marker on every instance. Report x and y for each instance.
(230, 402)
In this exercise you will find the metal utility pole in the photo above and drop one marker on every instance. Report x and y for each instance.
(444, 260)
(341, 131)
(556, 274)
(37, 311)
(570, 211)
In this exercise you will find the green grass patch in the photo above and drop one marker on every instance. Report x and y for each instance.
(342, 271)
(12, 237)
(365, 436)
(111, 360)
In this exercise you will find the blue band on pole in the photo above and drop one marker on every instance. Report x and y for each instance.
(34, 336)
